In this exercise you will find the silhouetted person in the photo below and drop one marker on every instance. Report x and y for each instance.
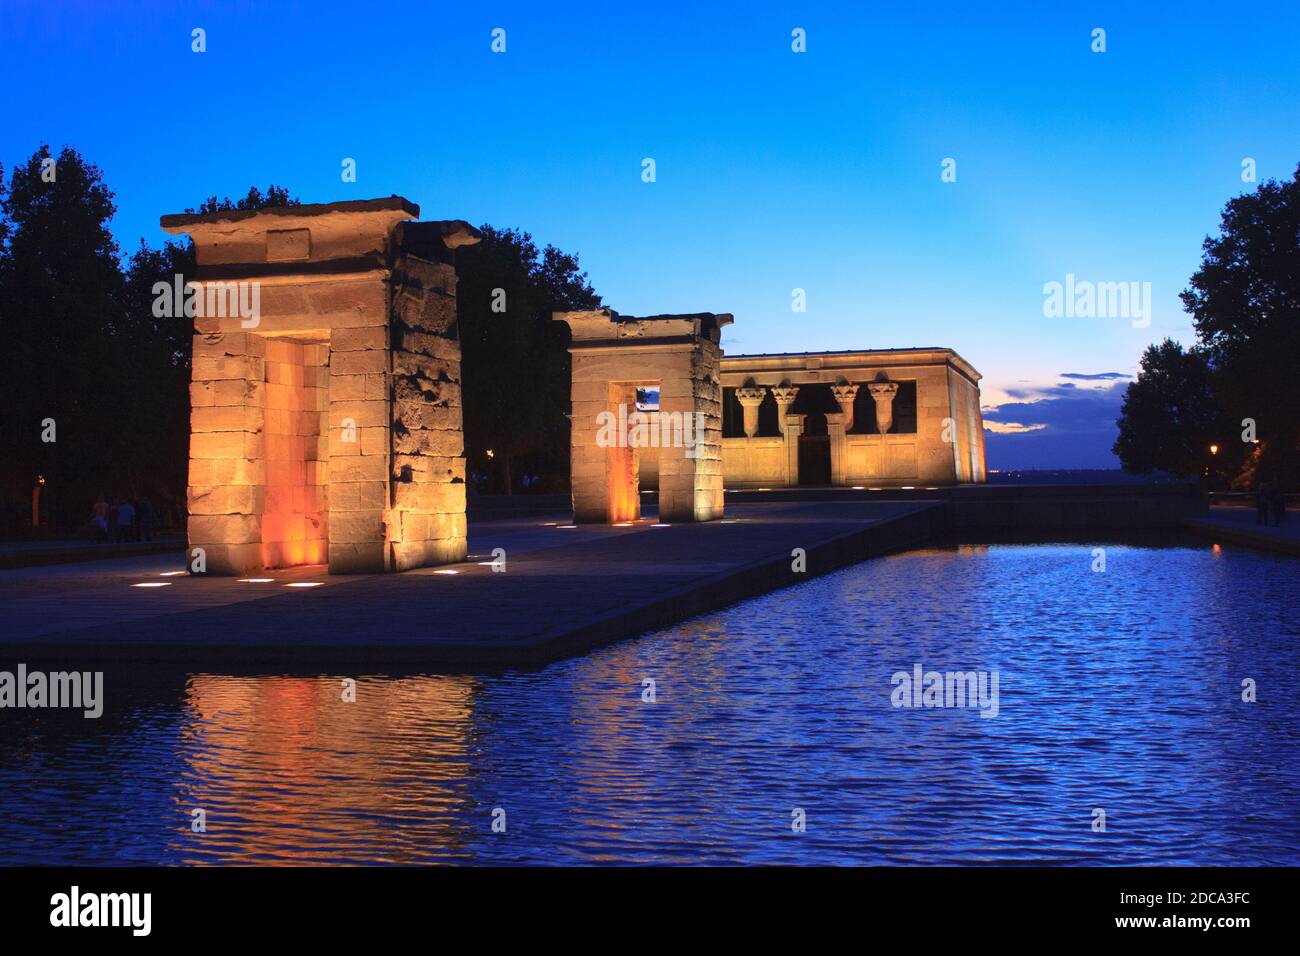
(1277, 503)
(1262, 502)
(99, 521)
(125, 519)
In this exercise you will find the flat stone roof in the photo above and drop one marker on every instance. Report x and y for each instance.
(387, 204)
(842, 352)
(850, 357)
(721, 318)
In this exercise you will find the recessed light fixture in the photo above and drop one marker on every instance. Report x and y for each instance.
(446, 571)
(661, 525)
(304, 584)
(858, 488)
(171, 574)
(256, 580)
(153, 584)
(566, 527)
(622, 524)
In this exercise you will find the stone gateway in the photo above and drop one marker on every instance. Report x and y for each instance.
(326, 423)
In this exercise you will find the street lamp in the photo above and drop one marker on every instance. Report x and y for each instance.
(36, 500)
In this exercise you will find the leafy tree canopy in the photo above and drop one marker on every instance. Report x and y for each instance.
(274, 196)
(1238, 383)
(515, 360)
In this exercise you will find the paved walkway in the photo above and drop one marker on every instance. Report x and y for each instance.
(1237, 525)
(564, 591)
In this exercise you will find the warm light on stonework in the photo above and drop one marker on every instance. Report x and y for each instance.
(326, 428)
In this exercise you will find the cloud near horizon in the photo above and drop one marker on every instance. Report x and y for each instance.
(1062, 425)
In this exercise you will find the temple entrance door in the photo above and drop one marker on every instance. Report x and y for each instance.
(814, 460)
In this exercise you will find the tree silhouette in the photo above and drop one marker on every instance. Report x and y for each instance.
(84, 349)
(1245, 303)
(1170, 415)
(515, 363)
(275, 196)
(67, 353)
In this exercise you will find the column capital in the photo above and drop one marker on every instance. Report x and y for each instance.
(844, 394)
(883, 393)
(785, 394)
(750, 397)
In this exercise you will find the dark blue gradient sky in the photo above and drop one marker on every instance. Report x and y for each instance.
(775, 170)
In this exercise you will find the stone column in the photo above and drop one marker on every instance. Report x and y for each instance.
(845, 394)
(750, 399)
(785, 396)
(426, 518)
(227, 477)
(883, 393)
(623, 471)
(835, 429)
(792, 428)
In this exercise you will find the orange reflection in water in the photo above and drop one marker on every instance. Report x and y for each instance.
(288, 772)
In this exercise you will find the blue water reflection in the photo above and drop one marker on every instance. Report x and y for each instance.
(1118, 690)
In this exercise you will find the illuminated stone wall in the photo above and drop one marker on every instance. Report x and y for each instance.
(611, 356)
(327, 426)
(946, 448)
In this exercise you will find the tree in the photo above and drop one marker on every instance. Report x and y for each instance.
(515, 360)
(167, 342)
(1170, 415)
(276, 196)
(62, 313)
(1245, 303)
(84, 351)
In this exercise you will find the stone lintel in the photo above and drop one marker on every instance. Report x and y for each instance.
(608, 325)
(180, 222)
(295, 237)
(861, 364)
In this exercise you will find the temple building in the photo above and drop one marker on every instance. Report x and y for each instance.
(875, 418)
(326, 422)
(657, 406)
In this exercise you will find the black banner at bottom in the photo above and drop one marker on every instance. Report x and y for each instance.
(333, 905)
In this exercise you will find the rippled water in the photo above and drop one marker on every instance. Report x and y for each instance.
(1118, 690)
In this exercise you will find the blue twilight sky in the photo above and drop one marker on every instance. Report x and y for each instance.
(775, 170)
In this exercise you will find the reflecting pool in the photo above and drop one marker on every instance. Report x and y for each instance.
(1118, 690)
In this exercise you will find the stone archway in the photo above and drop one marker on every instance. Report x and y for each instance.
(613, 356)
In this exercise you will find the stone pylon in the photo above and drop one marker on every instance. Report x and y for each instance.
(326, 423)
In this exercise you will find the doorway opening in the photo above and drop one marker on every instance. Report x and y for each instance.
(296, 508)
